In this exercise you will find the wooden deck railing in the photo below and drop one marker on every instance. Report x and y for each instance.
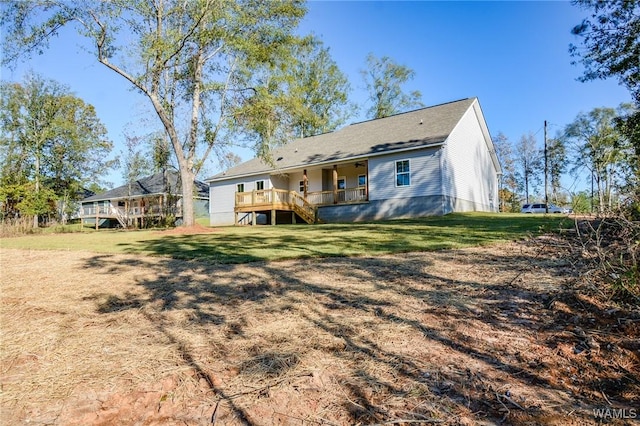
(285, 197)
(348, 195)
(276, 199)
(263, 198)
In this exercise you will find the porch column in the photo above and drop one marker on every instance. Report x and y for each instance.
(305, 183)
(254, 218)
(273, 216)
(366, 187)
(335, 184)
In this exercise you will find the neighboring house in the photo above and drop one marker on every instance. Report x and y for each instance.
(431, 161)
(72, 209)
(149, 198)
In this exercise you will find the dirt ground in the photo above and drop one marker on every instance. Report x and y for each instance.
(492, 335)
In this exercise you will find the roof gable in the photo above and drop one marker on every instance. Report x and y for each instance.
(149, 185)
(410, 130)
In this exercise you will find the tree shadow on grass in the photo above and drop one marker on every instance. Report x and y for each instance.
(333, 240)
(403, 340)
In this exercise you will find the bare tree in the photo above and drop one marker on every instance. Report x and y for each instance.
(528, 164)
(600, 148)
(508, 183)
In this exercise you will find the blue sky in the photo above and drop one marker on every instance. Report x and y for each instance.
(512, 55)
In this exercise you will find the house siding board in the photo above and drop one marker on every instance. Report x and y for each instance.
(222, 196)
(425, 175)
(250, 183)
(469, 178)
(314, 180)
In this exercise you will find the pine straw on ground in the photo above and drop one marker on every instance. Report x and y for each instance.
(475, 336)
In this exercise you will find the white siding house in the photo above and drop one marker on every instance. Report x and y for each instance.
(431, 161)
(144, 201)
(467, 161)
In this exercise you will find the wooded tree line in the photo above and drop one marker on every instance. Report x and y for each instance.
(52, 149)
(593, 146)
(219, 73)
(604, 142)
(234, 71)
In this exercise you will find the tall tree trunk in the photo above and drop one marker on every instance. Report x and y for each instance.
(186, 168)
(601, 203)
(526, 185)
(188, 212)
(37, 188)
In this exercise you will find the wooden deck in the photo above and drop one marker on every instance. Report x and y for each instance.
(274, 200)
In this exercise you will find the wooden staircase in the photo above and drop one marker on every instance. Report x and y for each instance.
(119, 216)
(307, 211)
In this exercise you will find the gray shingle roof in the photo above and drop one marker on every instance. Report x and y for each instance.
(154, 184)
(414, 129)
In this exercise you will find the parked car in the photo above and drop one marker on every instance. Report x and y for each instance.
(541, 208)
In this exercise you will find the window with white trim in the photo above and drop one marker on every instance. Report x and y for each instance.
(259, 185)
(240, 187)
(403, 173)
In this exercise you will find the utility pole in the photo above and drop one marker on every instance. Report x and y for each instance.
(546, 171)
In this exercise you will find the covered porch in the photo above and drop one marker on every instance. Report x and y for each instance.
(339, 184)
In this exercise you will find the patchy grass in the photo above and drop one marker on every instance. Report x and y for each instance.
(483, 335)
(248, 244)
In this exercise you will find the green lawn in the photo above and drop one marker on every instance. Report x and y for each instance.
(247, 244)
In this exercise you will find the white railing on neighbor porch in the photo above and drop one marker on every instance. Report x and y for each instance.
(100, 210)
(107, 210)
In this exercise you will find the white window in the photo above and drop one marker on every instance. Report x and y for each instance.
(260, 185)
(240, 187)
(362, 180)
(301, 183)
(403, 173)
(342, 183)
